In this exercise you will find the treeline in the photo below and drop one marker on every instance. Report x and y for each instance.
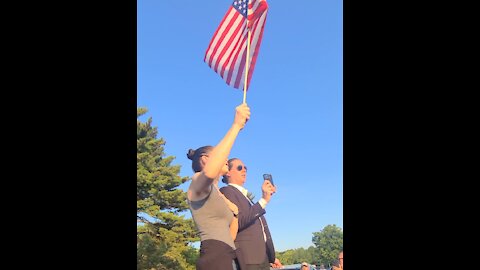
(327, 244)
(165, 237)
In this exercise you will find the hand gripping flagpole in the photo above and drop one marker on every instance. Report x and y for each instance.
(246, 60)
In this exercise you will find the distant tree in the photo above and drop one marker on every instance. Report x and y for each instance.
(163, 236)
(312, 257)
(328, 243)
(298, 255)
(286, 257)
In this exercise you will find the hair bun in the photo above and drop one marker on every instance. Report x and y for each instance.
(190, 154)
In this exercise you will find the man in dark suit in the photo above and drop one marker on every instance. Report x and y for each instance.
(253, 240)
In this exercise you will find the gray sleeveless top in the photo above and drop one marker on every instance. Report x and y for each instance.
(212, 217)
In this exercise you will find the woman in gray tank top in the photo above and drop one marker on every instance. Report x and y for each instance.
(214, 215)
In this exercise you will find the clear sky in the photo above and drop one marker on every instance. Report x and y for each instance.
(296, 99)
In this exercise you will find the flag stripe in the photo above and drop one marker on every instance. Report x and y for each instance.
(234, 51)
(253, 41)
(215, 34)
(257, 48)
(226, 52)
(226, 45)
(241, 68)
(235, 67)
(224, 35)
(230, 12)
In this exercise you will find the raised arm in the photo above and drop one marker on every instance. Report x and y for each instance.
(202, 181)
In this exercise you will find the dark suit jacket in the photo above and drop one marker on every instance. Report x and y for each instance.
(250, 239)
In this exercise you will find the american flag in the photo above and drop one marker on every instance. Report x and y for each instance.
(228, 48)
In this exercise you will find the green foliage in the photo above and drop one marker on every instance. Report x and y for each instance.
(163, 236)
(328, 242)
(293, 256)
(299, 255)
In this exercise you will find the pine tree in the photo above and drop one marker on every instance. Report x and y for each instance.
(163, 236)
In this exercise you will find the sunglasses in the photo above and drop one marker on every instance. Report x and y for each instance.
(240, 167)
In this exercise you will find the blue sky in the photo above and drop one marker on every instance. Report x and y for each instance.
(295, 96)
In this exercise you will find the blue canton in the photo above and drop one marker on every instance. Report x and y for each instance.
(241, 6)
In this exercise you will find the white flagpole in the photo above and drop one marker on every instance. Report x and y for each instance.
(246, 61)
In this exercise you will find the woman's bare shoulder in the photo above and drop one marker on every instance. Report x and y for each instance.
(198, 189)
